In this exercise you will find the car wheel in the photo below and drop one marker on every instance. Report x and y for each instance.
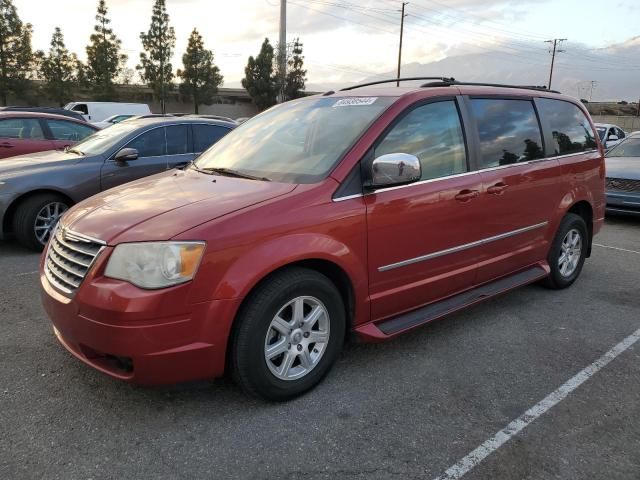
(36, 218)
(289, 333)
(568, 252)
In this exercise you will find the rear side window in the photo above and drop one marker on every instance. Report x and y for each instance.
(177, 139)
(21, 128)
(432, 133)
(150, 144)
(70, 131)
(572, 132)
(206, 135)
(509, 131)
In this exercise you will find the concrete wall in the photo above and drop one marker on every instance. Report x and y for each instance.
(230, 102)
(626, 123)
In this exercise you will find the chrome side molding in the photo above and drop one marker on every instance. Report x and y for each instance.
(460, 248)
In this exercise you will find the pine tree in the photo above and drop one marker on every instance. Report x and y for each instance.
(155, 65)
(16, 57)
(296, 75)
(260, 81)
(104, 60)
(58, 69)
(200, 76)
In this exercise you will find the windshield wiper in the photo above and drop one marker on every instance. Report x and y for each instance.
(73, 150)
(233, 173)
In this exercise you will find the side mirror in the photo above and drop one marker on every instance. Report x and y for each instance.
(126, 155)
(613, 138)
(394, 169)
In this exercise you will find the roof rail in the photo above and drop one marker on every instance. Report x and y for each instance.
(406, 79)
(452, 82)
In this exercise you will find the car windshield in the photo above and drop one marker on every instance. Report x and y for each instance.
(601, 132)
(630, 148)
(103, 140)
(296, 142)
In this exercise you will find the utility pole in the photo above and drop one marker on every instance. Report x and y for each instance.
(404, 4)
(553, 52)
(594, 84)
(282, 48)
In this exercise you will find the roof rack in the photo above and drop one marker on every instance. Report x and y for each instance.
(447, 82)
(406, 79)
(452, 82)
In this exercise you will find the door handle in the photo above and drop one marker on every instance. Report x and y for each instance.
(466, 195)
(6, 145)
(497, 189)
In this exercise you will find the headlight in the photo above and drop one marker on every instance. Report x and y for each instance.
(155, 264)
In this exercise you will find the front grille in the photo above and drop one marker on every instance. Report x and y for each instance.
(623, 185)
(69, 257)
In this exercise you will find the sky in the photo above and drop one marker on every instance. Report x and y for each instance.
(348, 40)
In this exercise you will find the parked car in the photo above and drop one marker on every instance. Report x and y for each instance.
(214, 117)
(112, 120)
(610, 135)
(35, 190)
(100, 111)
(623, 177)
(383, 210)
(25, 132)
(50, 110)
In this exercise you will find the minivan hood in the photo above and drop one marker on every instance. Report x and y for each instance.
(14, 166)
(623, 167)
(165, 205)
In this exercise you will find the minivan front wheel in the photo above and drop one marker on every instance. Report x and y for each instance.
(36, 218)
(289, 334)
(568, 252)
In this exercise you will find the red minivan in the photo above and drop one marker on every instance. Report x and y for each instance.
(372, 210)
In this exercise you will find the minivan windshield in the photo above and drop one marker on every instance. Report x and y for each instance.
(296, 142)
(103, 140)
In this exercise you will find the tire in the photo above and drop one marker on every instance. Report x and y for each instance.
(562, 276)
(257, 332)
(24, 221)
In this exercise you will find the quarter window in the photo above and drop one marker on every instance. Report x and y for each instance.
(572, 132)
(150, 144)
(206, 135)
(509, 131)
(433, 133)
(21, 128)
(70, 131)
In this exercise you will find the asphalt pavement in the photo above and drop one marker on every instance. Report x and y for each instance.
(407, 409)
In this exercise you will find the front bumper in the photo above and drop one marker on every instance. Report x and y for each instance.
(145, 337)
(5, 201)
(623, 202)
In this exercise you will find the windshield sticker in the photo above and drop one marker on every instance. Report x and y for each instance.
(355, 101)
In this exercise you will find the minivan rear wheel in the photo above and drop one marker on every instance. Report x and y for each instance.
(289, 333)
(36, 218)
(568, 252)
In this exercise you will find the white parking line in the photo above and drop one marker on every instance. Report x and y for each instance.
(26, 273)
(487, 448)
(616, 248)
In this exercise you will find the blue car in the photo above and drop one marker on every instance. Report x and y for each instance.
(623, 177)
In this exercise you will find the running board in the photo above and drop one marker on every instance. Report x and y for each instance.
(392, 326)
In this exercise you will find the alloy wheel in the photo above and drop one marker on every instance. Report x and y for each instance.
(570, 253)
(297, 338)
(47, 219)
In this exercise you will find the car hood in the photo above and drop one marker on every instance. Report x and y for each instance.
(14, 166)
(165, 205)
(623, 167)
